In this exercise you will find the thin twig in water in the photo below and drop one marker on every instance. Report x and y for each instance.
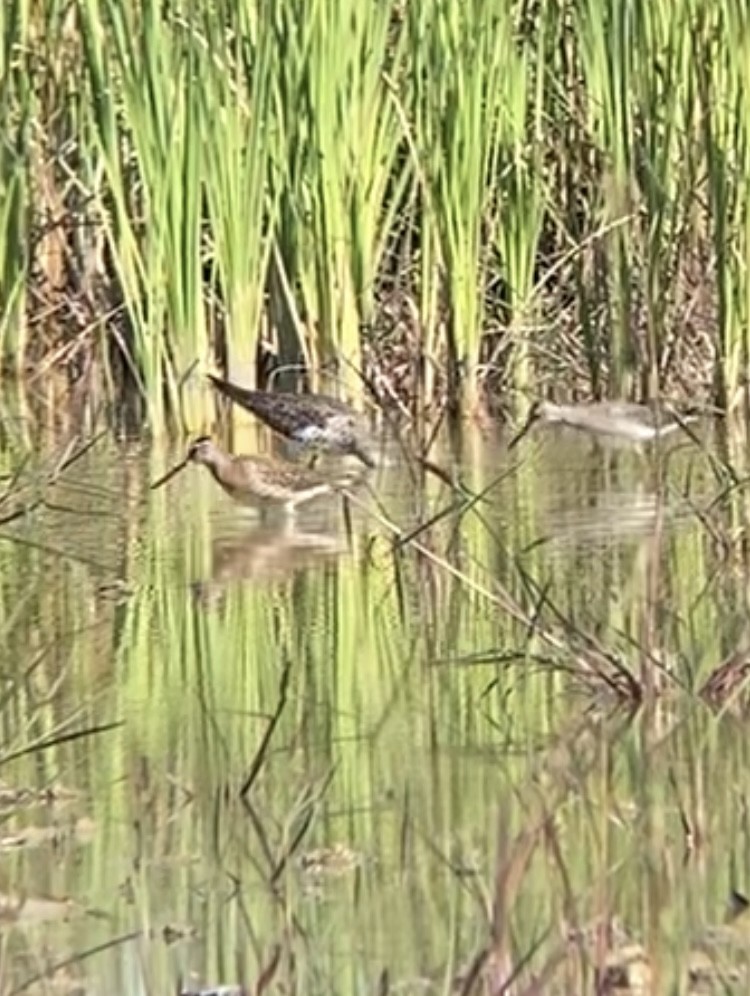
(14, 478)
(61, 739)
(268, 971)
(21, 512)
(54, 551)
(259, 830)
(465, 503)
(75, 959)
(262, 751)
(69, 456)
(309, 812)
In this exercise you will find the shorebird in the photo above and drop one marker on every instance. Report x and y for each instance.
(622, 419)
(315, 421)
(257, 481)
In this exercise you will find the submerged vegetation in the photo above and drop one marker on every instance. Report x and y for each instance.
(465, 198)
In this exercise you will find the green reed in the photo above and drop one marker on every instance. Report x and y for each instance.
(18, 109)
(456, 121)
(336, 174)
(535, 196)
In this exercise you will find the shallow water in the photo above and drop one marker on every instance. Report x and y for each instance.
(301, 753)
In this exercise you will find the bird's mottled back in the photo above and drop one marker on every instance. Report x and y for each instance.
(312, 420)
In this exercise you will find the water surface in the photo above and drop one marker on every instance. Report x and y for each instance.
(306, 754)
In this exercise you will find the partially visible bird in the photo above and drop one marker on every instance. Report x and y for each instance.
(315, 421)
(622, 419)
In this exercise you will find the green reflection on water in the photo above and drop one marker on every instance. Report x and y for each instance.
(435, 781)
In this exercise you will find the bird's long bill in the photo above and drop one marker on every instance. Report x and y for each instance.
(169, 475)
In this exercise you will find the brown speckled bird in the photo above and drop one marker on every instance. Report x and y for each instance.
(315, 421)
(258, 481)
